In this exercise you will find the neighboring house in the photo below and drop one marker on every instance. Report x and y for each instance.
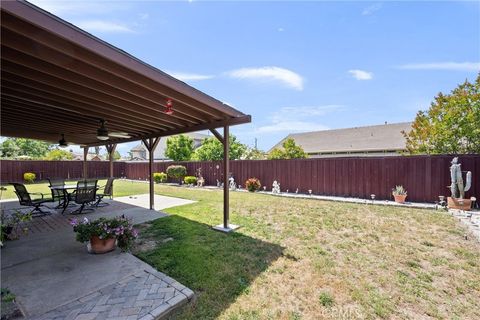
(140, 152)
(379, 140)
(90, 157)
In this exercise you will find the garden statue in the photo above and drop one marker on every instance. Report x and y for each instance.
(231, 183)
(275, 187)
(457, 201)
(200, 180)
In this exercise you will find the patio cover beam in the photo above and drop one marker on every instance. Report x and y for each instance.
(205, 126)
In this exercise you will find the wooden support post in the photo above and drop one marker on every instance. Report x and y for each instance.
(85, 170)
(226, 171)
(151, 144)
(111, 151)
(226, 226)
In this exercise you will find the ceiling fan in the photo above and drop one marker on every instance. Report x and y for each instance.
(104, 134)
(63, 143)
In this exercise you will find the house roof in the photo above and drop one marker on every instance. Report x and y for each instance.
(370, 138)
(58, 79)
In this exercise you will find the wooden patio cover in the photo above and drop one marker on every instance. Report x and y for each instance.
(58, 79)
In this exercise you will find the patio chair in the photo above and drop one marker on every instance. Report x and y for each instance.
(25, 199)
(86, 193)
(56, 193)
(107, 192)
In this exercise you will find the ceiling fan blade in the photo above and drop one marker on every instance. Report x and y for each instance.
(119, 135)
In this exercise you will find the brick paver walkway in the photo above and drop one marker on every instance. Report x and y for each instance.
(146, 295)
(470, 219)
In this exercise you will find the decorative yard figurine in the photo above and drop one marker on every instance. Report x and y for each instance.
(231, 184)
(275, 187)
(200, 180)
(457, 201)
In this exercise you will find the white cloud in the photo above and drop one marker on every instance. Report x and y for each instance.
(361, 74)
(298, 119)
(450, 66)
(183, 76)
(284, 76)
(371, 9)
(103, 26)
(280, 29)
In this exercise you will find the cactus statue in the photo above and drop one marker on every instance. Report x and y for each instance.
(457, 188)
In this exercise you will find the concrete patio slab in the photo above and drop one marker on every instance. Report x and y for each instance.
(53, 276)
(161, 202)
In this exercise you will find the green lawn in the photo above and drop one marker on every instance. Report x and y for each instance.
(309, 259)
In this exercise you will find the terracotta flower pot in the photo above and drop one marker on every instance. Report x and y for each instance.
(461, 204)
(98, 245)
(400, 198)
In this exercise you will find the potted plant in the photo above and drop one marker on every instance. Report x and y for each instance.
(253, 184)
(105, 234)
(400, 194)
(11, 225)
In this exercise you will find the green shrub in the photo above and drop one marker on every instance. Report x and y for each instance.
(177, 172)
(190, 180)
(159, 177)
(253, 184)
(29, 177)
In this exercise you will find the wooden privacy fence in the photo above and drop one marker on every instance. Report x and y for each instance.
(12, 170)
(424, 177)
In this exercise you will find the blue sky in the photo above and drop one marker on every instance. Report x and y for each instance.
(297, 66)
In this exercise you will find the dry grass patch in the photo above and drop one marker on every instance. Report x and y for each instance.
(309, 259)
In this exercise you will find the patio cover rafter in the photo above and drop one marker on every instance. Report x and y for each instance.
(63, 80)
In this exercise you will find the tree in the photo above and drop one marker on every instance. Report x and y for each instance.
(254, 154)
(15, 147)
(179, 148)
(289, 151)
(9, 149)
(116, 156)
(58, 154)
(450, 125)
(212, 149)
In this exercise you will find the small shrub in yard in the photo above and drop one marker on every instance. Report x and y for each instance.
(159, 177)
(253, 184)
(326, 299)
(177, 172)
(190, 180)
(29, 177)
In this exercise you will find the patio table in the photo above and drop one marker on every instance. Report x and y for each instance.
(66, 197)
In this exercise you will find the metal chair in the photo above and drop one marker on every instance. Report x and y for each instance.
(25, 199)
(56, 193)
(107, 192)
(86, 193)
